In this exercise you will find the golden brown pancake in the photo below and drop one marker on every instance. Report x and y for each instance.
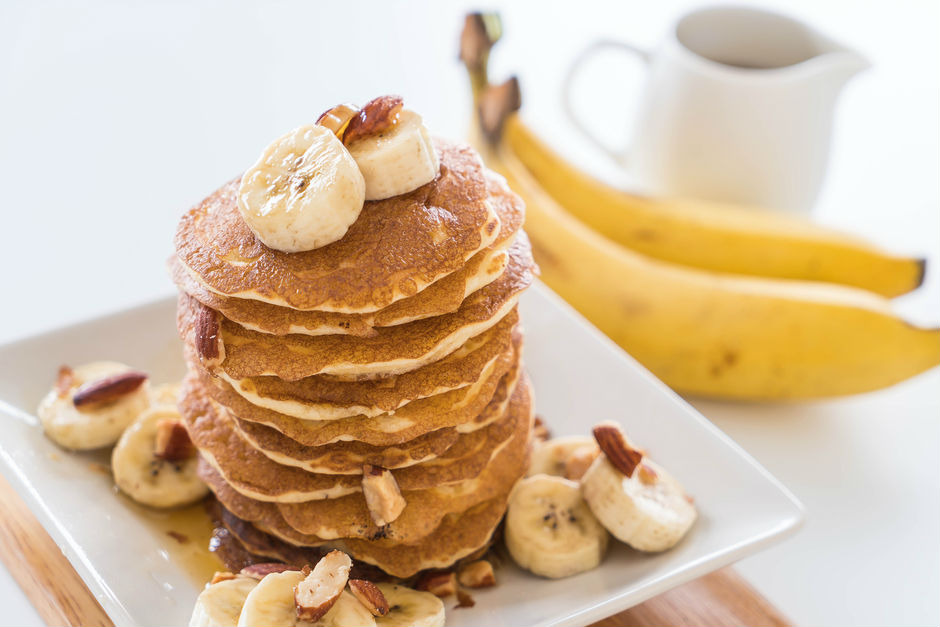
(451, 542)
(396, 248)
(444, 296)
(289, 452)
(439, 298)
(314, 521)
(426, 415)
(393, 350)
(423, 465)
(324, 397)
(206, 418)
(458, 536)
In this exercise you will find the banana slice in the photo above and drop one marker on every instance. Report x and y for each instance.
(410, 608)
(92, 404)
(220, 604)
(397, 160)
(271, 604)
(146, 477)
(648, 510)
(549, 529)
(303, 192)
(558, 456)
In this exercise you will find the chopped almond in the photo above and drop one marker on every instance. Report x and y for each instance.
(646, 474)
(316, 594)
(440, 583)
(108, 389)
(464, 600)
(376, 117)
(614, 444)
(172, 442)
(370, 596)
(540, 431)
(382, 494)
(64, 381)
(221, 576)
(478, 574)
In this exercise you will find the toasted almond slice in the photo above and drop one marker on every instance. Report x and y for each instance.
(382, 494)
(64, 381)
(478, 574)
(173, 443)
(259, 571)
(108, 389)
(376, 116)
(614, 444)
(316, 594)
(370, 596)
(440, 583)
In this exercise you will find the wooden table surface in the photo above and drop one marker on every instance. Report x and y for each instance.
(61, 597)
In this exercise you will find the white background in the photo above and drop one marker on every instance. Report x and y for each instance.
(116, 116)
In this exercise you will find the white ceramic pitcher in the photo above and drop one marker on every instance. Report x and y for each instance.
(738, 106)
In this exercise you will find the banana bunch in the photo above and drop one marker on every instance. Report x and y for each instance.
(715, 300)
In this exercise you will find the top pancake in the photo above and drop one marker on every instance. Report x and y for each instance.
(396, 248)
(444, 296)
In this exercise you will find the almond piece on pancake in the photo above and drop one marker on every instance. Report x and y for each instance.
(382, 494)
(316, 594)
(375, 117)
(370, 596)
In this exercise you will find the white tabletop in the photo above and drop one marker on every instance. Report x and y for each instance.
(116, 116)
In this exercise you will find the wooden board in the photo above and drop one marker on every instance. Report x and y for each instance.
(61, 597)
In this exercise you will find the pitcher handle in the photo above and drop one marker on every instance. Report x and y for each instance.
(575, 68)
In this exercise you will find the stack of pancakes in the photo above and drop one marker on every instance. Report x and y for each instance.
(396, 347)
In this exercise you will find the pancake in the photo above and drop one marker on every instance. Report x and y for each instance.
(239, 544)
(261, 425)
(396, 248)
(343, 517)
(439, 298)
(427, 462)
(200, 413)
(459, 536)
(393, 350)
(444, 296)
(323, 397)
(287, 452)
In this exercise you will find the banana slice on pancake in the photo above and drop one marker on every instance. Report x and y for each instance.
(155, 463)
(550, 531)
(392, 147)
(633, 497)
(91, 405)
(271, 604)
(303, 192)
(410, 608)
(220, 603)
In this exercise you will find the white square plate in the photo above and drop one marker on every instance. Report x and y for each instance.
(580, 378)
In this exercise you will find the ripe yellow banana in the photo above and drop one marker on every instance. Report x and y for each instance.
(713, 334)
(713, 236)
